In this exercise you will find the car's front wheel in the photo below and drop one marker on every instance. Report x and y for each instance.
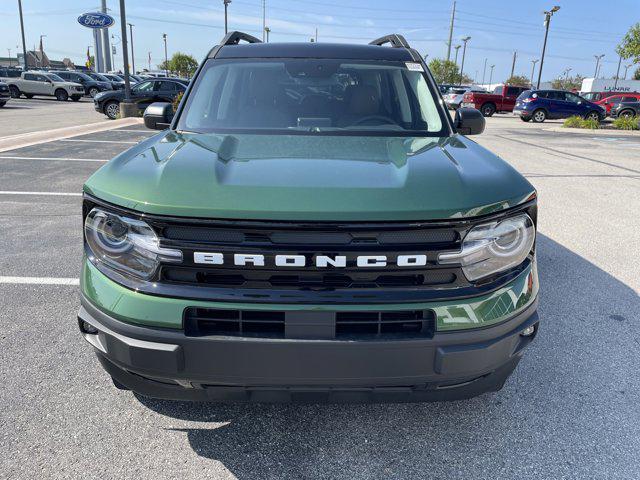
(14, 91)
(539, 116)
(112, 109)
(525, 119)
(62, 95)
(93, 91)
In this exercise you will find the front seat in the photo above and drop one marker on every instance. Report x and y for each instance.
(362, 101)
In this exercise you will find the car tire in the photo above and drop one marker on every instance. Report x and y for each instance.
(61, 95)
(626, 114)
(525, 119)
(488, 109)
(14, 91)
(2, 104)
(539, 116)
(592, 115)
(75, 98)
(112, 109)
(28, 95)
(93, 91)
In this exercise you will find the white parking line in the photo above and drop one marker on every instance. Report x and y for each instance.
(59, 194)
(58, 159)
(130, 130)
(96, 141)
(40, 280)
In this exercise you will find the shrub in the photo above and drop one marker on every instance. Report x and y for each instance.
(573, 122)
(626, 123)
(591, 123)
(176, 101)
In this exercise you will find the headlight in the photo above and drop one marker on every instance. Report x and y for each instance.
(494, 247)
(124, 244)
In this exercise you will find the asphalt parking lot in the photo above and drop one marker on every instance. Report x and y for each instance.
(571, 410)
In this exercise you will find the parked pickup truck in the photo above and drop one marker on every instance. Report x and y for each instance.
(502, 99)
(44, 83)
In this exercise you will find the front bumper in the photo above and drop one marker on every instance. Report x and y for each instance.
(165, 363)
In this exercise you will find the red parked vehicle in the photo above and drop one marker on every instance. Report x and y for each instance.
(597, 96)
(502, 99)
(609, 102)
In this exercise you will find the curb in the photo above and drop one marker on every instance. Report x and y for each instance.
(587, 131)
(34, 138)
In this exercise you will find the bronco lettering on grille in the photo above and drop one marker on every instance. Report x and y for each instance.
(320, 261)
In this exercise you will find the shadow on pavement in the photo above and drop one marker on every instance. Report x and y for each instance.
(570, 409)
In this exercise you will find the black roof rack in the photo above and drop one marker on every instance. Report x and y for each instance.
(233, 38)
(396, 40)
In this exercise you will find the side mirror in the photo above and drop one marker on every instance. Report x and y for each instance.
(158, 116)
(469, 121)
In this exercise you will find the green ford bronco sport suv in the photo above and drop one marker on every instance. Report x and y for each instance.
(310, 225)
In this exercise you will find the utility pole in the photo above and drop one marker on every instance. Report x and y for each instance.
(464, 51)
(598, 58)
(9, 57)
(149, 60)
(457, 47)
(491, 76)
(533, 69)
(267, 30)
(566, 77)
(166, 58)
(226, 5)
(484, 70)
(24, 45)
(264, 18)
(513, 64)
(106, 48)
(133, 60)
(453, 17)
(547, 21)
(316, 34)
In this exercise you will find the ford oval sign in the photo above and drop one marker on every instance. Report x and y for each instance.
(96, 20)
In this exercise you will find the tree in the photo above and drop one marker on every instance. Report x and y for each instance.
(636, 75)
(571, 83)
(446, 71)
(518, 81)
(182, 64)
(630, 45)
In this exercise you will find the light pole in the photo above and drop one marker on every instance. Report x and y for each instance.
(547, 21)
(9, 50)
(127, 107)
(166, 58)
(456, 48)
(113, 50)
(626, 67)
(226, 5)
(490, 76)
(133, 61)
(513, 64)
(464, 51)
(484, 70)
(264, 18)
(598, 58)
(533, 69)
(24, 45)
(566, 77)
(267, 31)
(426, 55)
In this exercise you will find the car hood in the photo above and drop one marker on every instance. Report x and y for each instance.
(313, 178)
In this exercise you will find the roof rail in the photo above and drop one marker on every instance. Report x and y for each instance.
(233, 38)
(396, 40)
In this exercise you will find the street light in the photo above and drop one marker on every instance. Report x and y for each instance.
(133, 61)
(226, 5)
(267, 31)
(547, 21)
(533, 69)
(24, 45)
(626, 67)
(457, 47)
(166, 58)
(598, 58)
(490, 76)
(464, 51)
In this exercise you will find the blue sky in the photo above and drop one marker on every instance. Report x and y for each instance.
(581, 29)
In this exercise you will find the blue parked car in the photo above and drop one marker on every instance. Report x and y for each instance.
(538, 105)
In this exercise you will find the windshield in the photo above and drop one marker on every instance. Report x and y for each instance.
(97, 76)
(312, 95)
(591, 96)
(114, 78)
(54, 77)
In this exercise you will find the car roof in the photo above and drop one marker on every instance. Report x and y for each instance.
(314, 50)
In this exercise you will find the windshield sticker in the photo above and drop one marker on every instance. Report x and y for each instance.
(414, 66)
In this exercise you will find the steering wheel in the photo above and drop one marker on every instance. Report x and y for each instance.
(368, 118)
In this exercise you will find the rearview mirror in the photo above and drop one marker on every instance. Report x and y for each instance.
(158, 116)
(469, 121)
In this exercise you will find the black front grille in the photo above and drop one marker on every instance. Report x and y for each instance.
(361, 325)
